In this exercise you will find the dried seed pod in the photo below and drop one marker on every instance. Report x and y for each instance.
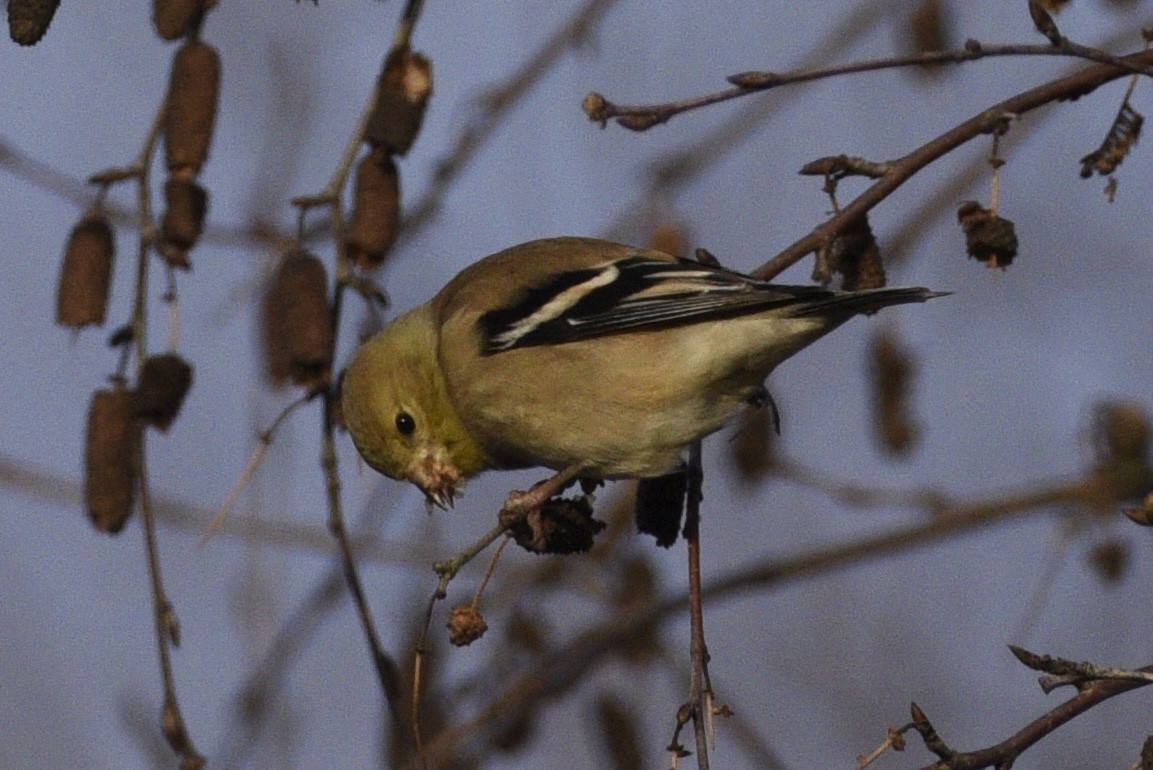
(1120, 140)
(28, 20)
(174, 19)
(300, 315)
(193, 87)
(375, 217)
(402, 93)
(929, 30)
(110, 459)
(187, 203)
(989, 238)
(892, 368)
(465, 625)
(559, 526)
(86, 274)
(1122, 472)
(856, 256)
(164, 382)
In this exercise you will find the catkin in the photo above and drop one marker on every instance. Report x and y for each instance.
(28, 20)
(86, 274)
(186, 204)
(164, 382)
(190, 114)
(110, 459)
(174, 18)
(402, 93)
(375, 217)
(301, 319)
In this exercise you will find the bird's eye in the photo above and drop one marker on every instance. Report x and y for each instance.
(405, 424)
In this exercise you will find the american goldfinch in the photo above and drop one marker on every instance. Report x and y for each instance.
(595, 359)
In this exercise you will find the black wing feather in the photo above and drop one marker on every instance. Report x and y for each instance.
(641, 294)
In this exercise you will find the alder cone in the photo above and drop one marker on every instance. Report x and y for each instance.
(183, 222)
(189, 117)
(164, 382)
(28, 20)
(110, 456)
(299, 321)
(375, 217)
(86, 274)
(402, 93)
(173, 19)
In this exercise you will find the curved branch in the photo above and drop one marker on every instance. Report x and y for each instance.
(1004, 753)
(900, 170)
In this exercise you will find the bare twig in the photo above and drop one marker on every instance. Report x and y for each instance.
(264, 440)
(1003, 754)
(642, 117)
(700, 691)
(985, 121)
(568, 664)
(167, 633)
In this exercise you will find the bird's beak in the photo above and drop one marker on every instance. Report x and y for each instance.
(437, 476)
(441, 498)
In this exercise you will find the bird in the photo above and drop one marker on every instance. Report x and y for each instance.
(594, 359)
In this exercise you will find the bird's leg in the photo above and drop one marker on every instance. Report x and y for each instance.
(522, 502)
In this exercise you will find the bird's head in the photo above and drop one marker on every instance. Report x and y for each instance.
(399, 413)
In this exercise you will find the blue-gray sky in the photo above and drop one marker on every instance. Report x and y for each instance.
(1010, 367)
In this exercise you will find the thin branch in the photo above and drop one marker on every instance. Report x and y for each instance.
(901, 170)
(676, 169)
(1003, 754)
(642, 117)
(167, 632)
(388, 672)
(554, 673)
(700, 690)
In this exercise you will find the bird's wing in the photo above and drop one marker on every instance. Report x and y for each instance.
(636, 294)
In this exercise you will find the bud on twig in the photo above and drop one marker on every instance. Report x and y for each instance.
(988, 237)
